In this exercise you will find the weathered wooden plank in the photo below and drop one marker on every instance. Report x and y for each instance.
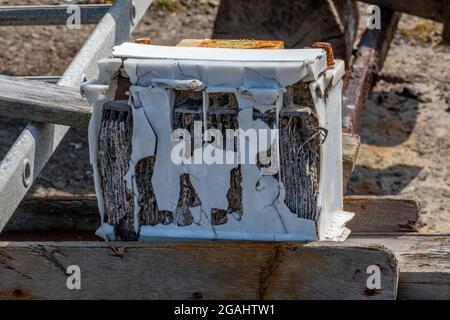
(350, 150)
(424, 264)
(44, 102)
(369, 60)
(49, 235)
(298, 23)
(207, 270)
(56, 213)
(373, 214)
(382, 214)
(429, 9)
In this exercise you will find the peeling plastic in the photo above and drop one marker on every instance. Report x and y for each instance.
(260, 79)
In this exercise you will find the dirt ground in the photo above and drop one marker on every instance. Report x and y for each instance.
(405, 128)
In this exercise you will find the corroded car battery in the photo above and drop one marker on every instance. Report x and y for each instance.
(201, 142)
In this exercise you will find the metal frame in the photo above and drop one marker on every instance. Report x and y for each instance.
(37, 142)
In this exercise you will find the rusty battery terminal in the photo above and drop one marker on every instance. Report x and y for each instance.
(143, 41)
(328, 49)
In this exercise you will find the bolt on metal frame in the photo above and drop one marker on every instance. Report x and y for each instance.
(37, 142)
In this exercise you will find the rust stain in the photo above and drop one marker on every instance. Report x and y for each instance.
(328, 49)
(16, 294)
(372, 292)
(197, 295)
(143, 41)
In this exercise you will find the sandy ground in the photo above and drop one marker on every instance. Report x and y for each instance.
(405, 127)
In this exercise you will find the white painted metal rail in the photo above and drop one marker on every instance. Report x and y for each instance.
(37, 142)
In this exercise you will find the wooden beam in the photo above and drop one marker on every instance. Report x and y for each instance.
(76, 213)
(195, 270)
(350, 151)
(373, 214)
(236, 270)
(369, 60)
(382, 214)
(428, 9)
(424, 264)
(43, 102)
